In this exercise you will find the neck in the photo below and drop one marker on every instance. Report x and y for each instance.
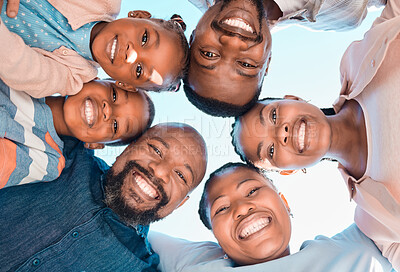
(349, 138)
(56, 104)
(272, 10)
(97, 28)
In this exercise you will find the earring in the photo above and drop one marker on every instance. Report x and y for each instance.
(304, 170)
(130, 14)
(226, 257)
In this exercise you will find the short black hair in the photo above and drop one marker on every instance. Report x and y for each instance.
(151, 110)
(215, 107)
(203, 201)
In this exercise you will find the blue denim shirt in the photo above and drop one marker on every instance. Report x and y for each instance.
(64, 225)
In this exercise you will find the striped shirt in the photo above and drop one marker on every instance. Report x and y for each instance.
(30, 149)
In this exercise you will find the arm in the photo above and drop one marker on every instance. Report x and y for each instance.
(41, 73)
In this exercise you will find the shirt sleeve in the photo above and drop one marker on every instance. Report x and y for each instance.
(38, 72)
(202, 5)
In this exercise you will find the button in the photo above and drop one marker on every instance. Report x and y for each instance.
(372, 63)
(65, 52)
(75, 234)
(36, 262)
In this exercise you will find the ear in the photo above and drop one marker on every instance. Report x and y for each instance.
(293, 97)
(183, 201)
(126, 86)
(94, 146)
(268, 61)
(139, 14)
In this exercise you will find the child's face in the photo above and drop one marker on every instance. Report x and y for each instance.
(102, 113)
(284, 134)
(248, 218)
(138, 52)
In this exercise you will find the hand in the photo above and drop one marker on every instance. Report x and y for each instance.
(12, 7)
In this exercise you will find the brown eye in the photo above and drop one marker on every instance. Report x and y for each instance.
(273, 116)
(181, 176)
(144, 38)
(209, 55)
(138, 70)
(115, 126)
(271, 151)
(246, 64)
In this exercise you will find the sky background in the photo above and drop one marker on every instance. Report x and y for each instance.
(304, 63)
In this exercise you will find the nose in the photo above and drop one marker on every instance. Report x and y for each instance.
(107, 111)
(242, 208)
(160, 170)
(283, 134)
(130, 54)
(233, 43)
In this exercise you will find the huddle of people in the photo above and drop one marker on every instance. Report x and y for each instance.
(72, 212)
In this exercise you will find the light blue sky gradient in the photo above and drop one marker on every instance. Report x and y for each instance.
(304, 63)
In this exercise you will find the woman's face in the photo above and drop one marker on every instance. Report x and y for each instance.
(284, 134)
(248, 217)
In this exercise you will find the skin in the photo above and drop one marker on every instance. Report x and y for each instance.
(118, 114)
(269, 135)
(237, 197)
(175, 155)
(228, 63)
(147, 56)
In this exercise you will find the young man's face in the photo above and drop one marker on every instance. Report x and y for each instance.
(248, 218)
(284, 134)
(158, 172)
(102, 113)
(138, 52)
(230, 51)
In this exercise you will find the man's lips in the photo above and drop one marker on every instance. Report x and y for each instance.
(253, 224)
(144, 187)
(239, 22)
(89, 112)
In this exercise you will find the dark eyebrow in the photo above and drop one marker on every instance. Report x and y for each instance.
(259, 147)
(164, 143)
(262, 120)
(239, 72)
(191, 171)
(157, 39)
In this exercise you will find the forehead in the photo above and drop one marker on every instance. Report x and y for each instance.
(227, 182)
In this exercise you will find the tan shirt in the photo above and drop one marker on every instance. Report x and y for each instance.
(370, 74)
(41, 73)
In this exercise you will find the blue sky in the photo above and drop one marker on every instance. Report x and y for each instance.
(304, 63)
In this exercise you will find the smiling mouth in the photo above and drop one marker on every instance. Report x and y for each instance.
(301, 136)
(89, 112)
(254, 226)
(239, 23)
(113, 48)
(144, 186)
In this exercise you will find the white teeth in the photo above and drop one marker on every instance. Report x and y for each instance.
(254, 226)
(300, 138)
(239, 23)
(113, 47)
(144, 186)
(89, 112)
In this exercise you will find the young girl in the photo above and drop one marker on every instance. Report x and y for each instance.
(362, 136)
(66, 40)
(252, 225)
(30, 148)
